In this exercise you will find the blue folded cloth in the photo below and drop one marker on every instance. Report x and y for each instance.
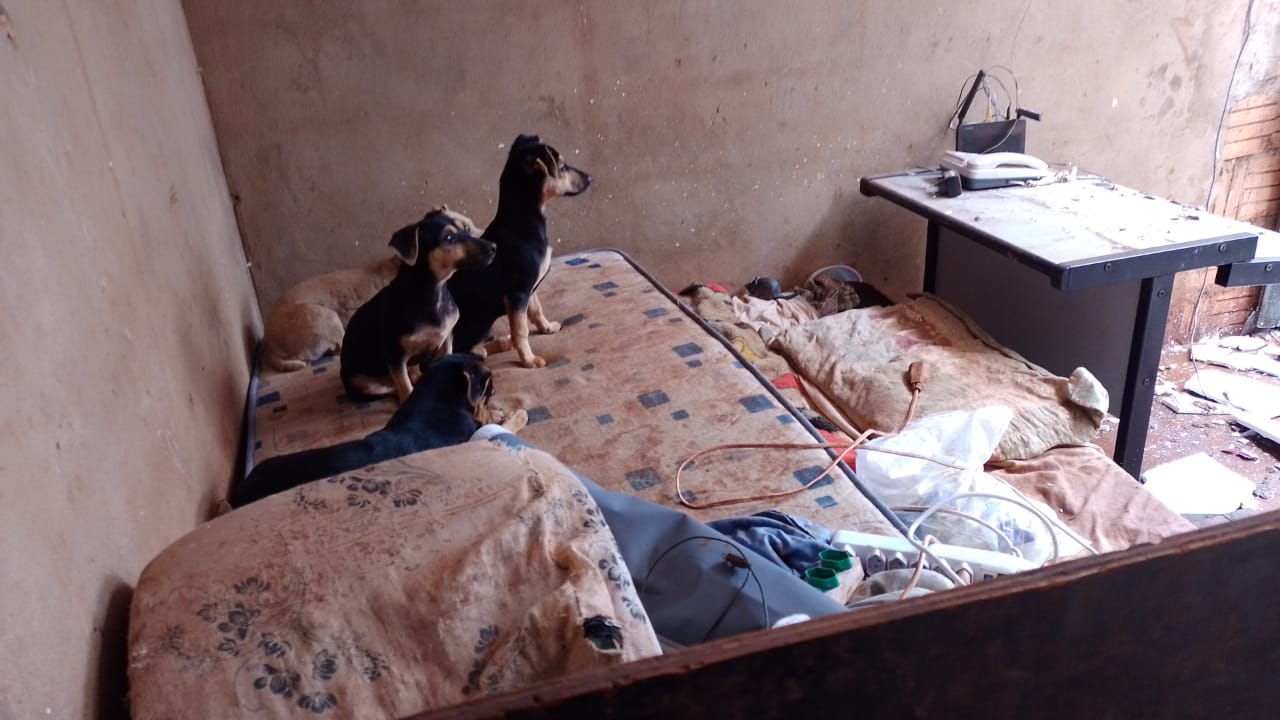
(785, 540)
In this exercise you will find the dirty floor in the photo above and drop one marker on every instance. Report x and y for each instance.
(1173, 436)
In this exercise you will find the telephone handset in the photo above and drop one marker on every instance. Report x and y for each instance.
(979, 171)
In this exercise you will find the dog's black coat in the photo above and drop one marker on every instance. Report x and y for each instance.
(519, 229)
(416, 299)
(440, 412)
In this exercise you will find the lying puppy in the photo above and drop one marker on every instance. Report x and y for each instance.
(446, 408)
(534, 173)
(412, 317)
(308, 321)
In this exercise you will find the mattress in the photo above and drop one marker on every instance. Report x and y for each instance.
(635, 384)
(417, 583)
(856, 381)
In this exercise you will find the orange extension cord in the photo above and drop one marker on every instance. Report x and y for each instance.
(915, 380)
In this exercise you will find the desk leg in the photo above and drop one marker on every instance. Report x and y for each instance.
(931, 258)
(1140, 378)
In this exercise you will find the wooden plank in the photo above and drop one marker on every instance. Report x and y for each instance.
(1226, 306)
(1183, 628)
(1239, 116)
(1262, 194)
(1251, 210)
(1249, 131)
(1255, 101)
(1233, 293)
(1252, 146)
(1264, 163)
(1227, 185)
(1255, 179)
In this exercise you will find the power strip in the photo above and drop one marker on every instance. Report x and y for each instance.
(884, 552)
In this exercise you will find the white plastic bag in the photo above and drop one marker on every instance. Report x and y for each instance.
(966, 439)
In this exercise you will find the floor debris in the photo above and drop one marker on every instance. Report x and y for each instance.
(1188, 404)
(1199, 485)
(1235, 359)
(1248, 394)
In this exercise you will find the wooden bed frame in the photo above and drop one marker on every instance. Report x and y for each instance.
(1184, 628)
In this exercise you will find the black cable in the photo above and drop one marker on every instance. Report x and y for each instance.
(741, 557)
(727, 606)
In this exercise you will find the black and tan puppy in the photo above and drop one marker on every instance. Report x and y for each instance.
(412, 318)
(534, 173)
(446, 408)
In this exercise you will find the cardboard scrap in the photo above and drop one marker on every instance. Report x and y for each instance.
(1248, 394)
(1199, 485)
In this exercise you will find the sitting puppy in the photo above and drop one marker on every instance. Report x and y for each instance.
(308, 321)
(534, 173)
(446, 408)
(412, 317)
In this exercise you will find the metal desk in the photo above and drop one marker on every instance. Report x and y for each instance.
(1108, 254)
(1262, 269)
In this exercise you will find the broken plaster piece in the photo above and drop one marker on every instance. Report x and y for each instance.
(1235, 360)
(1198, 485)
(1246, 343)
(1248, 394)
(1188, 404)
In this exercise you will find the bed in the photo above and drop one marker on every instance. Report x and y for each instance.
(488, 568)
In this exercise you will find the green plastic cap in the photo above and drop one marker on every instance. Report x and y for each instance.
(837, 560)
(823, 578)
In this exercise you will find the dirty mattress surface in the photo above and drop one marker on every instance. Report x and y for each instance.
(413, 584)
(634, 385)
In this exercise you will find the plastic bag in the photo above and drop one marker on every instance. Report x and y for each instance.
(966, 439)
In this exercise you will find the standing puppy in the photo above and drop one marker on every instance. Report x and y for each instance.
(534, 173)
(412, 318)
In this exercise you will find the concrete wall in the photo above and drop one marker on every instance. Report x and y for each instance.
(727, 138)
(126, 327)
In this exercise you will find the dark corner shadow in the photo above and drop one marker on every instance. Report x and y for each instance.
(211, 507)
(109, 682)
(866, 234)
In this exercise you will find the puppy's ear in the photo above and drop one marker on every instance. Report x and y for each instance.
(405, 243)
(536, 165)
(479, 385)
(550, 162)
(524, 140)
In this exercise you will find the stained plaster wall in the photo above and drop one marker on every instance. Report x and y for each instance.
(726, 138)
(127, 316)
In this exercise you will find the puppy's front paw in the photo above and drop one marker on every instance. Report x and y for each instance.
(499, 345)
(515, 421)
(549, 327)
(535, 361)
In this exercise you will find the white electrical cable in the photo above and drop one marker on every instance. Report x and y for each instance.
(939, 564)
(915, 525)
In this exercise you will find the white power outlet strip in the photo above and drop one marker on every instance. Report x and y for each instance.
(884, 552)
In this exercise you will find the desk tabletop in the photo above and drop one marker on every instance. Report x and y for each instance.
(1085, 233)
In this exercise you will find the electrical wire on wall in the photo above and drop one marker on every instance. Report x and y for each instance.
(1213, 177)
